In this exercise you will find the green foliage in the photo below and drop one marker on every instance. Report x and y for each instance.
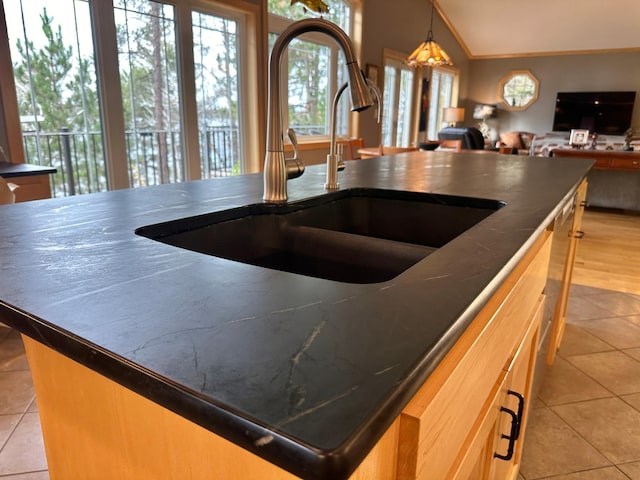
(57, 86)
(309, 68)
(59, 90)
(338, 11)
(49, 70)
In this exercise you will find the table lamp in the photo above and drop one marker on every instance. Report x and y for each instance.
(453, 115)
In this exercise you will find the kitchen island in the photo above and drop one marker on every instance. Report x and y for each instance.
(310, 375)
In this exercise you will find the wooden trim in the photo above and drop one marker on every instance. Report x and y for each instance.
(110, 93)
(552, 54)
(8, 99)
(186, 91)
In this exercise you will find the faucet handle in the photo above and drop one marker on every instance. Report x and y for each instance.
(341, 164)
(291, 133)
(295, 165)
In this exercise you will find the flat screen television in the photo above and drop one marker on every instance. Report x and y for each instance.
(605, 113)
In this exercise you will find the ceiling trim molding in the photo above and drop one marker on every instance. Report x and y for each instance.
(554, 54)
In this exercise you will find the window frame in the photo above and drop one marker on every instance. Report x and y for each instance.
(396, 59)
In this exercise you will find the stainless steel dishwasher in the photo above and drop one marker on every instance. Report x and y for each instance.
(562, 228)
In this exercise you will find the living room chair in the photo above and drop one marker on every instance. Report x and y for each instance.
(472, 138)
(382, 150)
(508, 150)
(354, 145)
(455, 145)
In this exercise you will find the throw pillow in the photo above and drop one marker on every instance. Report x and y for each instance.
(511, 139)
(526, 138)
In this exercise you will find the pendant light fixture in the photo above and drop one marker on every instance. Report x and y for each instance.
(428, 53)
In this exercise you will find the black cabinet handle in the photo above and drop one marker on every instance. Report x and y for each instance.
(520, 409)
(516, 422)
(579, 234)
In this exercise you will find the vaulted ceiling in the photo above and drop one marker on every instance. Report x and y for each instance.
(515, 28)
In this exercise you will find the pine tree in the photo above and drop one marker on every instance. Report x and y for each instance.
(47, 70)
(62, 97)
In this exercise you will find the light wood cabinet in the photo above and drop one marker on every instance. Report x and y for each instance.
(454, 424)
(496, 449)
(95, 428)
(560, 313)
(32, 187)
(516, 398)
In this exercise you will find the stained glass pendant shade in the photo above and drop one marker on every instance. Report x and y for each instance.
(428, 53)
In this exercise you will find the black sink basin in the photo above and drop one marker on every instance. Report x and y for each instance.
(355, 236)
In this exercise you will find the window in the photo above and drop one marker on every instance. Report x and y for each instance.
(315, 71)
(518, 90)
(398, 110)
(56, 89)
(443, 93)
(216, 54)
(146, 35)
(165, 109)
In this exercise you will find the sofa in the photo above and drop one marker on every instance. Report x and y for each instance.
(543, 145)
(520, 141)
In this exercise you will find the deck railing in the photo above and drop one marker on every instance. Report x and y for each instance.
(154, 157)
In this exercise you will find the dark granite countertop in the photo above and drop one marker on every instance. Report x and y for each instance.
(8, 170)
(305, 372)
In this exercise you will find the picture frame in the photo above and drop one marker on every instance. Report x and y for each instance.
(372, 72)
(579, 138)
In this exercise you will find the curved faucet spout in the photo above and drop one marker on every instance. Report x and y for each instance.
(334, 158)
(275, 168)
(334, 111)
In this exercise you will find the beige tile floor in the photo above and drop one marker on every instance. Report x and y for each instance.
(585, 425)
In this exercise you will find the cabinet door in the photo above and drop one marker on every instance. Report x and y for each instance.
(511, 424)
(560, 314)
(445, 428)
(477, 454)
(480, 460)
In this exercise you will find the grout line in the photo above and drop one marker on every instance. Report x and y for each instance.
(13, 430)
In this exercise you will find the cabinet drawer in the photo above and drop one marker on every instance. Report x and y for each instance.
(625, 163)
(604, 163)
(440, 417)
(31, 187)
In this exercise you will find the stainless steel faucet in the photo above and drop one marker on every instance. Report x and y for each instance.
(277, 169)
(334, 157)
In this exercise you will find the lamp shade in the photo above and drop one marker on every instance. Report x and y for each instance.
(428, 53)
(453, 114)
